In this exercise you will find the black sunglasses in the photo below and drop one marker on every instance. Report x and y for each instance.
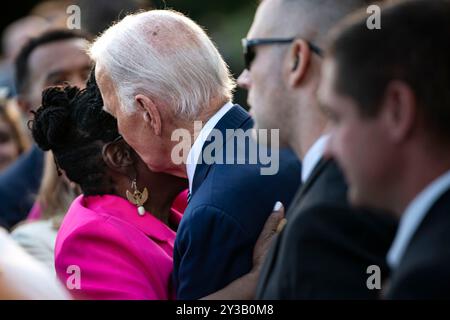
(249, 45)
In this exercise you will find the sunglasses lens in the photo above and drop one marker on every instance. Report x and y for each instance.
(249, 55)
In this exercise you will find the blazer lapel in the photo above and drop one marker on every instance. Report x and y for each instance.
(309, 182)
(267, 267)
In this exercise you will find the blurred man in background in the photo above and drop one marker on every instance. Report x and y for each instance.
(14, 37)
(389, 107)
(54, 58)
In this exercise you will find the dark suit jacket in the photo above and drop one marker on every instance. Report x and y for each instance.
(229, 206)
(424, 270)
(325, 248)
(19, 184)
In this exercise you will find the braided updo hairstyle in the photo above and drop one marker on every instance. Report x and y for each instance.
(73, 125)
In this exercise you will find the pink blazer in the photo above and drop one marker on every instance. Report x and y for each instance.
(119, 254)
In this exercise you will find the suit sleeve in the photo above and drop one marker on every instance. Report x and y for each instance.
(324, 254)
(424, 281)
(211, 251)
(18, 183)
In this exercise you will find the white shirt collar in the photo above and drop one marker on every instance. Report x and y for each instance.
(313, 156)
(197, 147)
(414, 215)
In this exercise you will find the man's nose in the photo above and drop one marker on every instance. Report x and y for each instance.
(244, 80)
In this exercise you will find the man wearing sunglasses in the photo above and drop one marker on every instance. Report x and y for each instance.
(326, 247)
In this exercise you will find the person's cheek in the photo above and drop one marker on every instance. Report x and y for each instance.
(338, 144)
(342, 146)
(329, 148)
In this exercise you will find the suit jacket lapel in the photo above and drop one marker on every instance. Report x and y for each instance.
(233, 119)
(267, 267)
(308, 183)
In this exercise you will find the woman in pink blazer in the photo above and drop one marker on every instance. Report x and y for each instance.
(117, 238)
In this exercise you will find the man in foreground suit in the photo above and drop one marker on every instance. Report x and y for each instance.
(326, 247)
(158, 73)
(391, 133)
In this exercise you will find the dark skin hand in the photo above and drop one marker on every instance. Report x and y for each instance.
(244, 288)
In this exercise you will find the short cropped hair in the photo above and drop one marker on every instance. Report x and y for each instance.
(412, 46)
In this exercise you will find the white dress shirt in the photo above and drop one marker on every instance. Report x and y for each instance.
(38, 239)
(414, 215)
(313, 156)
(197, 147)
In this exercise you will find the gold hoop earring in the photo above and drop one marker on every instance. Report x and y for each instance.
(137, 198)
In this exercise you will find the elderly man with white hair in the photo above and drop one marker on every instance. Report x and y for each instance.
(159, 73)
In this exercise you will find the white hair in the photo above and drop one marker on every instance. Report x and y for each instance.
(166, 56)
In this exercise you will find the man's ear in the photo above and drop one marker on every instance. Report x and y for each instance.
(119, 157)
(150, 112)
(298, 61)
(399, 109)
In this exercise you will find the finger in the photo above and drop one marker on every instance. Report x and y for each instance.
(276, 220)
(279, 208)
(267, 234)
(273, 222)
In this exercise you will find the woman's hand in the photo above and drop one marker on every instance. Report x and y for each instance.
(244, 288)
(273, 226)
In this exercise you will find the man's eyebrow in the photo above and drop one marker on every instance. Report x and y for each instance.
(55, 74)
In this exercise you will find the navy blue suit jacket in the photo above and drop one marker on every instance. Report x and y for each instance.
(227, 211)
(19, 185)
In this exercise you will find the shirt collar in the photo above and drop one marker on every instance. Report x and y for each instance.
(197, 147)
(413, 217)
(313, 156)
